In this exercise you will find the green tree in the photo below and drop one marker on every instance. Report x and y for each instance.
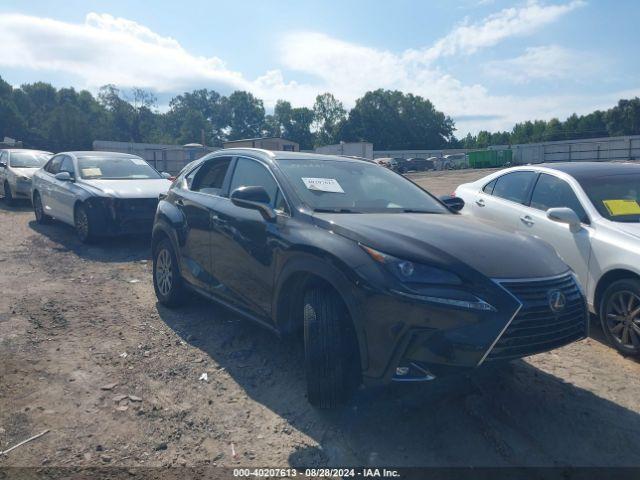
(328, 115)
(245, 115)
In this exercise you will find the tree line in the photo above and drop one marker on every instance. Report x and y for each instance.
(65, 119)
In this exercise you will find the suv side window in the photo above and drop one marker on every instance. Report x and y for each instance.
(67, 166)
(53, 166)
(553, 192)
(515, 186)
(250, 173)
(209, 177)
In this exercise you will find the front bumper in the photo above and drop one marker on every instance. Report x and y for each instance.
(420, 337)
(122, 216)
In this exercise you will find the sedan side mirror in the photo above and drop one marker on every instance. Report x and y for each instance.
(64, 177)
(454, 204)
(565, 215)
(254, 198)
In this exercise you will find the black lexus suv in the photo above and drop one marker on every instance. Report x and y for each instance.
(387, 282)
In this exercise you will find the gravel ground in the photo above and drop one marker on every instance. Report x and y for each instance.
(86, 352)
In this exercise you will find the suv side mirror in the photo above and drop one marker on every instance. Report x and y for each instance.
(3, 165)
(166, 175)
(565, 215)
(64, 177)
(254, 198)
(454, 204)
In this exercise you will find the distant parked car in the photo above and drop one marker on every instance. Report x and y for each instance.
(98, 193)
(455, 161)
(418, 164)
(590, 213)
(16, 169)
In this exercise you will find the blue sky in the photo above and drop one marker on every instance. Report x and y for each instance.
(487, 63)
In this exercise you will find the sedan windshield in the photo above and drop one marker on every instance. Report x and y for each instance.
(29, 159)
(356, 187)
(616, 197)
(115, 168)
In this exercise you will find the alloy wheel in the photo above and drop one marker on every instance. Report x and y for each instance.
(37, 206)
(82, 224)
(623, 318)
(164, 272)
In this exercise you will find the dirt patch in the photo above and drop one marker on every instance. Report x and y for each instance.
(86, 352)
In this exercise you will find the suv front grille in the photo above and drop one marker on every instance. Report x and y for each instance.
(537, 328)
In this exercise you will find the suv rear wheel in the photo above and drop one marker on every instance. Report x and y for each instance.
(620, 315)
(167, 283)
(332, 363)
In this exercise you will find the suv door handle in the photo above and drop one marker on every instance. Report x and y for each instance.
(527, 220)
(480, 203)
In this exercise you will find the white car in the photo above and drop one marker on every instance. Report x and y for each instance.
(17, 166)
(98, 193)
(590, 213)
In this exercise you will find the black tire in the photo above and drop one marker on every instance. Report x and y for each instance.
(8, 196)
(38, 210)
(332, 364)
(620, 315)
(167, 282)
(84, 224)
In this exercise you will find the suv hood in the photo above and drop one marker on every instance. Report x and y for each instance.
(128, 188)
(444, 239)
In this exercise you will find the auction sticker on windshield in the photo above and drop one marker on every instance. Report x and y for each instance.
(323, 185)
(618, 208)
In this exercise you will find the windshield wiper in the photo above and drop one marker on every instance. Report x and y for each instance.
(334, 210)
(411, 210)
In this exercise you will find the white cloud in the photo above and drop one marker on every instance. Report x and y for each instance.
(105, 49)
(468, 38)
(550, 62)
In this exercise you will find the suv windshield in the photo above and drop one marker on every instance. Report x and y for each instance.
(115, 168)
(616, 197)
(28, 159)
(361, 187)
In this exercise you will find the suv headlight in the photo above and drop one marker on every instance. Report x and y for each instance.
(411, 272)
(417, 276)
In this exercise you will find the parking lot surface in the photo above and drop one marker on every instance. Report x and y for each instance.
(87, 353)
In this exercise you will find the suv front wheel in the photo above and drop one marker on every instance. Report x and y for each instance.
(332, 363)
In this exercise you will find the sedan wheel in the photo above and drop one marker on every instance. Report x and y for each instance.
(38, 210)
(83, 224)
(620, 316)
(8, 196)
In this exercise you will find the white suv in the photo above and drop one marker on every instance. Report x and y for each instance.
(590, 213)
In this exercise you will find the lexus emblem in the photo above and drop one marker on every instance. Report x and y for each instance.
(557, 301)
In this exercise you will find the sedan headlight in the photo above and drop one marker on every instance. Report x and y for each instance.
(425, 282)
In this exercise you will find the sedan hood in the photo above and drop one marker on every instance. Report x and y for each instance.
(632, 229)
(128, 188)
(443, 239)
(26, 172)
